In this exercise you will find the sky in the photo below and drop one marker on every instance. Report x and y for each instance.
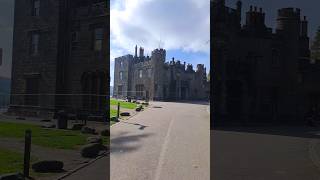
(181, 27)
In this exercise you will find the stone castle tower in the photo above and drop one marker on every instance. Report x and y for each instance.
(258, 74)
(153, 78)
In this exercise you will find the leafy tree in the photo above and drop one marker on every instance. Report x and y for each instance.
(315, 48)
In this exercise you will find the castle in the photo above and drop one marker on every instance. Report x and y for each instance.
(152, 78)
(261, 75)
(60, 57)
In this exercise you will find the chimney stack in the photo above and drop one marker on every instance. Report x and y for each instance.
(141, 52)
(136, 51)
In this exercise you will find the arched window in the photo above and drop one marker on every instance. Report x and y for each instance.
(140, 73)
(121, 75)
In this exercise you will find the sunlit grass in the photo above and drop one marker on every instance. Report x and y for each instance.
(52, 138)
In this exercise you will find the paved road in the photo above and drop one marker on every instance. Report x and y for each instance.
(99, 170)
(263, 154)
(167, 143)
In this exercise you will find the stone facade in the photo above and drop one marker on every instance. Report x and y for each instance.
(261, 76)
(152, 78)
(55, 54)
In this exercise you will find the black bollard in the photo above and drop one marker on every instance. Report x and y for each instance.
(118, 111)
(27, 150)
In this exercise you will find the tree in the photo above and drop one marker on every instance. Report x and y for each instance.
(315, 48)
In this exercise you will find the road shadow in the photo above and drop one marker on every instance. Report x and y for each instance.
(126, 143)
(141, 126)
(293, 131)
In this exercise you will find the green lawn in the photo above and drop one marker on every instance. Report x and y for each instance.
(123, 104)
(113, 112)
(52, 138)
(10, 161)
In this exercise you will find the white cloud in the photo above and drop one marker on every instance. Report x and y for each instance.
(180, 24)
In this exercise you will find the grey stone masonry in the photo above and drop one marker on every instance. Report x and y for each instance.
(152, 78)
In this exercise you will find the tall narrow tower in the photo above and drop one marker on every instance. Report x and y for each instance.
(136, 51)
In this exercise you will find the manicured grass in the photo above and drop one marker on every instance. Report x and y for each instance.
(127, 105)
(52, 138)
(10, 161)
(113, 112)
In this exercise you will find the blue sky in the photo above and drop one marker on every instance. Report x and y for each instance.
(182, 27)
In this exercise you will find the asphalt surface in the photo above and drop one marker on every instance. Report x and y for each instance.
(167, 143)
(277, 153)
(99, 170)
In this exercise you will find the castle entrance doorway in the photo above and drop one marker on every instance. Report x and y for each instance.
(183, 93)
(147, 95)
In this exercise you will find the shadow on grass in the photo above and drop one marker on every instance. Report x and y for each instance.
(293, 131)
(126, 143)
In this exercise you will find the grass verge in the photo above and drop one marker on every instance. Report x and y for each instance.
(10, 161)
(126, 105)
(52, 138)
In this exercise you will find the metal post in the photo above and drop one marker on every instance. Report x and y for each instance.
(118, 111)
(27, 150)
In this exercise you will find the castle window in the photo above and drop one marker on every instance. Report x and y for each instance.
(121, 75)
(119, 90)
(121, 63)
(140, 73)
(139, 90)
(36, 8)
(149, 73)
(34, 46)
(98, 39)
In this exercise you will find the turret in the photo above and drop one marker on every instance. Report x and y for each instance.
(288, 22)
(189, 68)
(200, 68)
(255, 18)
(158, 54)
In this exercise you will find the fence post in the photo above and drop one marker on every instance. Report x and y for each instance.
(118, 110)
(27, 150)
